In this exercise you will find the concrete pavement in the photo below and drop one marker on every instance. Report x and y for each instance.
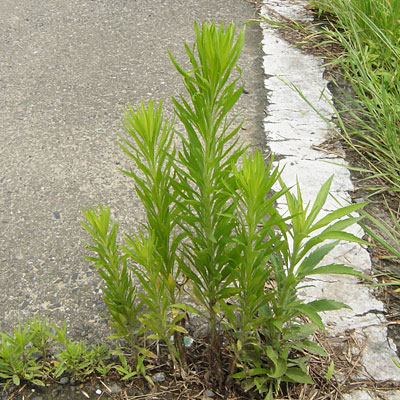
(67, 70)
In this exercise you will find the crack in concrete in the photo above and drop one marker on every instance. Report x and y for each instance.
(376, 312)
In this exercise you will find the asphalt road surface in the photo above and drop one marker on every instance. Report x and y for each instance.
(68, 68)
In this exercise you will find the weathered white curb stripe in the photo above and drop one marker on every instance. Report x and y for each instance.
(292, 128)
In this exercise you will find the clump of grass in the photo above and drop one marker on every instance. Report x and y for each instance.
(369, 32)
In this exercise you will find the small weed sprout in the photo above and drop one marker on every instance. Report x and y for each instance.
(25, 355)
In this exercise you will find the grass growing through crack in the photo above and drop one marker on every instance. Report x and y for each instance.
(369, 32)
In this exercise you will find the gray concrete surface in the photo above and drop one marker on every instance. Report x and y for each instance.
(67, 70)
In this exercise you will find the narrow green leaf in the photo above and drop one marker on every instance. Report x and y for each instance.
(337, 214)
(38, 382)
(239, 375)
(331, 235)
(313, 259)
(329, 372)
(16, 380)
(178, 328)
(327, 305)
(318, 203)
(186, 307)
(385, 243)
(338, 269)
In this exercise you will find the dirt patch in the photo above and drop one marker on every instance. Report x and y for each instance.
(344, 352)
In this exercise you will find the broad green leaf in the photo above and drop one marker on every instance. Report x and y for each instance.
(311, 347)
(299, 332)
(258, 371)
(312, 314)
(297, 375)
(280, 364)
(16, 380)
(278, 324)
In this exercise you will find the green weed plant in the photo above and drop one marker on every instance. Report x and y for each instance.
(39, 351)
(213, 235)
(17, 357)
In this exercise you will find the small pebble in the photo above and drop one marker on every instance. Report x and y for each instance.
(114, 389)
(201, 331)
(98, 392)
(159, 377)
(36, 355)
(64, 380)
(359, 200)
(209, 393)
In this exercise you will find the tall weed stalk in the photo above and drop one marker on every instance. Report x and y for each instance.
(204, 167)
